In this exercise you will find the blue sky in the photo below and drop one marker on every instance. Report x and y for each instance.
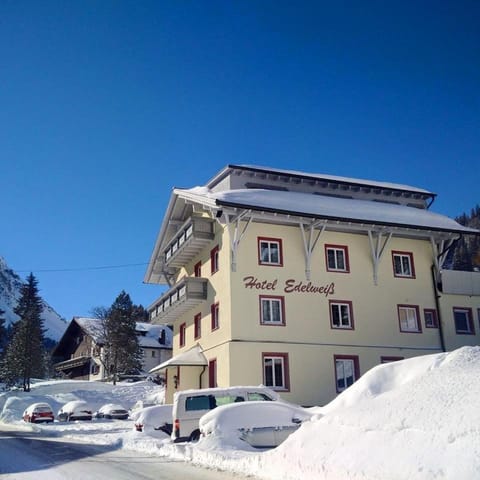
(108, 105)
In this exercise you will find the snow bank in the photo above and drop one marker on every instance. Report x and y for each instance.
(418, 419)
(415, 419)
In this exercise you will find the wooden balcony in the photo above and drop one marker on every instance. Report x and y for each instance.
(182, 297)
(191, 238)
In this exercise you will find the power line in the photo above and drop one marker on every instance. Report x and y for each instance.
(82, 269)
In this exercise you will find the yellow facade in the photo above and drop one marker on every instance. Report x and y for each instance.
(307, 345)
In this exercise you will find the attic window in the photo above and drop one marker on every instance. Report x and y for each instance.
(162, 338)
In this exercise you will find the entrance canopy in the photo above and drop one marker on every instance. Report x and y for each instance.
(191, 358)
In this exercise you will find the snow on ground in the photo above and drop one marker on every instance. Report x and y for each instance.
(418, 419)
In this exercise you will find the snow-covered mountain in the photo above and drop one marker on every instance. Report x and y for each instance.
(10, 286)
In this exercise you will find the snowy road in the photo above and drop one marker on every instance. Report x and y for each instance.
(26, 455)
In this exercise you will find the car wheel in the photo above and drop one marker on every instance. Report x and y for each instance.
(195, 436)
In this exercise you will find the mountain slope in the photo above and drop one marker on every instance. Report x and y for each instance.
(10, 286)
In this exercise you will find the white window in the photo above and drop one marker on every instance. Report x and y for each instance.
(271, 310)
(337, 258)
(403, 264)
(341, 314)
(408, 318)
(275, 371)
(346, 371)
(270, 251)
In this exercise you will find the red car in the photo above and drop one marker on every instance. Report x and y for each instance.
(38, 412)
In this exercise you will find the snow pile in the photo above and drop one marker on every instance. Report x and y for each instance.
(58, 393)
(415, 419)
(418, 419)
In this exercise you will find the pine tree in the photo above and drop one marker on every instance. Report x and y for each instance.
(3, 331)
(466, 254)
(122, 353)
(24, 355)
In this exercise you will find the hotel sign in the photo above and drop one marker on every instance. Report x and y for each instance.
(289, 286)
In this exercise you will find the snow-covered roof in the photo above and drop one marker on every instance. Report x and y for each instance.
(92, 326)
(150, 339)
(321, 177)
(152, 334)
(192, 357)
(326, 207)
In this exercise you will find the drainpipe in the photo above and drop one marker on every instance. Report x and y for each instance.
(200, 377)
(437, 306)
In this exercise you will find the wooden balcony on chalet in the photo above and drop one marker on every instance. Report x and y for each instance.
(191, 238)
(183, 296)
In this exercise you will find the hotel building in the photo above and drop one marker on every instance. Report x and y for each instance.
(303, 282)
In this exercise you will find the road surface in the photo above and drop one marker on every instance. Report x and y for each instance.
(26, 455)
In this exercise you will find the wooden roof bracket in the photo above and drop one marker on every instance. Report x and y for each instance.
(440, 249)
(233, 226)
(377, 247)
(310, 243)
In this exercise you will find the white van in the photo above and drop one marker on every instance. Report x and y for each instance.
(190, 405)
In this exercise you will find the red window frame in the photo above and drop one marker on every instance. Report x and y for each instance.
(469, 313)
(412, 264)
(197, 269)
(212, 373)
(214, 259)
(197, 326)
(281, 299)
(182, 333)
(433, 312)
(215, 316)
(286, 370)
(356, 369)
(280, 251)
(417, 313)
(346, 259)
(350, 312)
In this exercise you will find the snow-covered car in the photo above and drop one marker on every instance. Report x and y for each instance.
(190, 405)
(38, 412)
(260, 424)
(155, 418)
(112, 411)
(75, 410)
(140, 404)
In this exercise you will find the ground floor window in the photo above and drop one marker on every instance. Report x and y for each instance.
(347, 371)
(275, 371)
(463, 321)
(212, 373)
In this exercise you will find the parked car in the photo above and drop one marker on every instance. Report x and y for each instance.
(190, 405)
(139, 404)
(155, 418)
(75, 410)
(38, 412)
(112, 411)
(260, 424)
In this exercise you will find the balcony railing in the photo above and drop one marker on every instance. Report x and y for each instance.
(189, 241)
(185, 295)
